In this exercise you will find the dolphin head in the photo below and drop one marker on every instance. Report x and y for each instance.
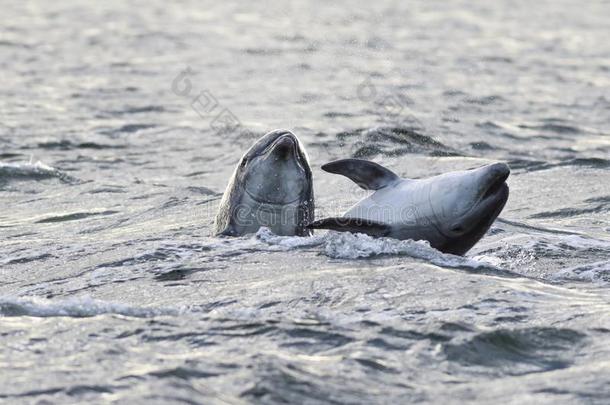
(275, 170)
(466, 203)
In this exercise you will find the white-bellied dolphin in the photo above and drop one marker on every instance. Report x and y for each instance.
(272, 186)
(452, 211)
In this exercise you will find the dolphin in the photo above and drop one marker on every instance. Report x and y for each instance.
(451, 211)
(271, 186)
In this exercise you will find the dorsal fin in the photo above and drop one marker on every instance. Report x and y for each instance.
(367, 175)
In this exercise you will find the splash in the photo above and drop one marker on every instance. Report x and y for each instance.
(345, 245)
(288, 242)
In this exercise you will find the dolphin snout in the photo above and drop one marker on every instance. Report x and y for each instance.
(493, 174)
(281, 132)
(499, 170)
(285, 145)
(493, 178)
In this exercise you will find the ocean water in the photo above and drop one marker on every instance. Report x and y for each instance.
(121, 124)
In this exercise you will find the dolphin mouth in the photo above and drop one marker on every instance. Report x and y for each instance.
(484, 212)
(493, 202)
(497, 185)
(285, 146)
(494, 195)
(492, 199)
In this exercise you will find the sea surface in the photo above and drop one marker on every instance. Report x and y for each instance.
(121, 122)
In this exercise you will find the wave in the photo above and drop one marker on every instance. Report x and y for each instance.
(516, 351)
(65, 144)
(392, 141)
(126, 129)
(536, 254)
(524, 226)
(75, 216)
(32, 171)
(337, 114)
(78, 307)
(27, 259)
(138, 110)
(288, 242)
(555, 126)
(203, 191)
(346, 245)
(524, 258)
(598, 272)
(536, 165)
(484, 100)
(15, 44)
(571, 212)
(545, 128)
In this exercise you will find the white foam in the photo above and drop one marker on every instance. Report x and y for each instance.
(31, 169)
(288, 242)
(345, 245)
(25, 168)
(76, 307)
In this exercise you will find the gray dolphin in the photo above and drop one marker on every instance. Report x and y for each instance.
(452, 211)
(272, 186)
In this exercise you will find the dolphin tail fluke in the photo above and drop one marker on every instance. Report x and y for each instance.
(354, 225)
(367, 175)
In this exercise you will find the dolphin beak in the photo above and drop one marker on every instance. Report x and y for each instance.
(492, 195)
(284, 146)
(493, 178)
